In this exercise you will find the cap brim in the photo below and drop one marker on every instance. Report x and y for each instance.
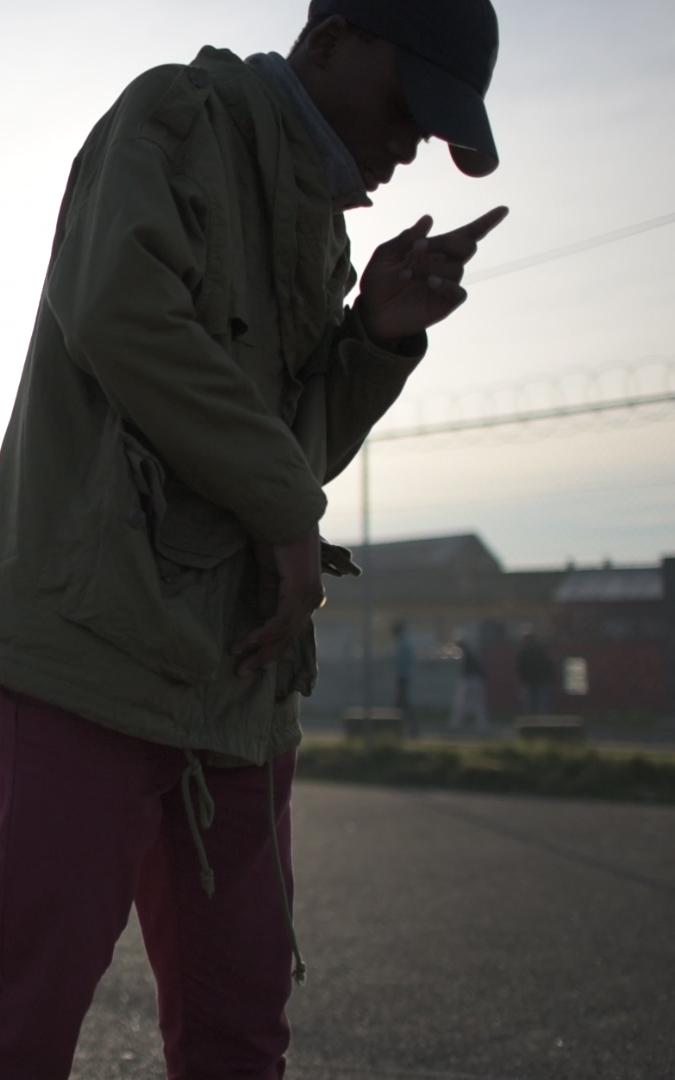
(451, 110)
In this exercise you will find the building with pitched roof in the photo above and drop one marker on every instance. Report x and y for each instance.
(609, 630)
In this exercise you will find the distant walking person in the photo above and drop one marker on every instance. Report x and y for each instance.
(536, 674)
(404, 660)
(470, 700)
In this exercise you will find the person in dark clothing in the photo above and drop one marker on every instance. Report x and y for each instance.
(194, 380)
(470, 701)
(404, 660)
(536, 674)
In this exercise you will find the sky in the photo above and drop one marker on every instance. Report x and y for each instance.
(581, 106)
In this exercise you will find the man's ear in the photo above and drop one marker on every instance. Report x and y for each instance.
(325, 38)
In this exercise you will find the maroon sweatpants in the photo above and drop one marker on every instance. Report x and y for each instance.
(91, 821)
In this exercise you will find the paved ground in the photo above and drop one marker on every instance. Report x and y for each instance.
(456, 937)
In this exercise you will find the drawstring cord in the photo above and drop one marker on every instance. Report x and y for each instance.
(194, 772)
(300, 971)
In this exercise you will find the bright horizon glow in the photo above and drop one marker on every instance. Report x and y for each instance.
(581, 106)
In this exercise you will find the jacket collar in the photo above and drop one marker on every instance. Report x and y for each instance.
(344, 178)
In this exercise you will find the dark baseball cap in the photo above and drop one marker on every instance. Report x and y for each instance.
(447, 52)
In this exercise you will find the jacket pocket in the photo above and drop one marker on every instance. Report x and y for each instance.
(147, 565)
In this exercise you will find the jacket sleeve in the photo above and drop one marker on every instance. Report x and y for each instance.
(122, 288)
(362, 382)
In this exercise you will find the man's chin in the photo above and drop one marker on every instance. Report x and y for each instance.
(370, 180)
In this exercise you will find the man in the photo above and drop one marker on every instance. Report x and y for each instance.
(536, 674)
(469, 707)
(404, 665)
(193, 381)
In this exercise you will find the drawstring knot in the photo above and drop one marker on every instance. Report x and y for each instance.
(193, 773)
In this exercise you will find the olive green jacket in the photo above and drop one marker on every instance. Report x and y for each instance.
(192, 382)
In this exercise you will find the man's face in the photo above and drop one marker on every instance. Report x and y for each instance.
(358, 91)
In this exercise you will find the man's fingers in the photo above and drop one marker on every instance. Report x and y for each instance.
(270, 641)
(415, 242)
(434, 264)
(451, 290)
(279, 625)
(405, 240)
(483, 225)
(258, 659)
(461, 243)
(261, 648)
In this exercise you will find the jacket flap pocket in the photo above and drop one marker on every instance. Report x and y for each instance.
(195, 532)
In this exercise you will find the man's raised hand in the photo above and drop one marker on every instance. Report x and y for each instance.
(413, 281)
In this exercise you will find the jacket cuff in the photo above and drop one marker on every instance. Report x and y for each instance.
(286, 529)
(412, 349)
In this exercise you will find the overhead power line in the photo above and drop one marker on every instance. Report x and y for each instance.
(576, 248)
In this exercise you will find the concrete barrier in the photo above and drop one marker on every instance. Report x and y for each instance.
(551, 728)
(359, 722)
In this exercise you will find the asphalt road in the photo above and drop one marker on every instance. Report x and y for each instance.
(456, 937)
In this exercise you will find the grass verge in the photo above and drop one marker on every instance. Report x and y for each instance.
(536, 768)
